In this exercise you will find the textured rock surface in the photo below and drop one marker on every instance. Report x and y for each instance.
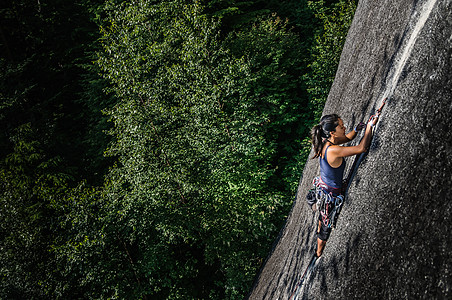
(393, 239)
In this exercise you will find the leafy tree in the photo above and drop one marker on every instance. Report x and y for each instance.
(195, 199)
(277, 60)
(46, 79)
(193, 164)
(211, 108)
(235, 15)
(31, 185)
(336, 19)
(45, 143)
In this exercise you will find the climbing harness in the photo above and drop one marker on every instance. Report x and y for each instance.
(328, 204)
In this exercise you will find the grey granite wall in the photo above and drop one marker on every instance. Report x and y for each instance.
(393, 239)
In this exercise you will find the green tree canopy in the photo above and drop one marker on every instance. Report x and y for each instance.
(209, 106)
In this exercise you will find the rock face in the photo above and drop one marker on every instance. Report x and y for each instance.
(393, 238)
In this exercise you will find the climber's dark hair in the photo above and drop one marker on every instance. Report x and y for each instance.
(321, 132)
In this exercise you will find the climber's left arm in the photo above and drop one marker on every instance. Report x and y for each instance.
(352, 134)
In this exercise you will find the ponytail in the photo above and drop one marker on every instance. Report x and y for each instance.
(321, 132)
(317, 140)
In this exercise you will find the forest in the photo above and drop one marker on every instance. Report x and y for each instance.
(152, 149)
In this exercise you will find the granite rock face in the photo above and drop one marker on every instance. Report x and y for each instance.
(393, 238)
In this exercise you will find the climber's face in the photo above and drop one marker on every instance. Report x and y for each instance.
(340, 129)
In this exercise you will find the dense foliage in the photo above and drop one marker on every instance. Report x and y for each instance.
(210, 106)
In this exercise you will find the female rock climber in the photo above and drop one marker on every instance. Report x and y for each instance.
(326, 138)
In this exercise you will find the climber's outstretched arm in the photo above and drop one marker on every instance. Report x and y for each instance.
(363, 146)
(352, 134)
